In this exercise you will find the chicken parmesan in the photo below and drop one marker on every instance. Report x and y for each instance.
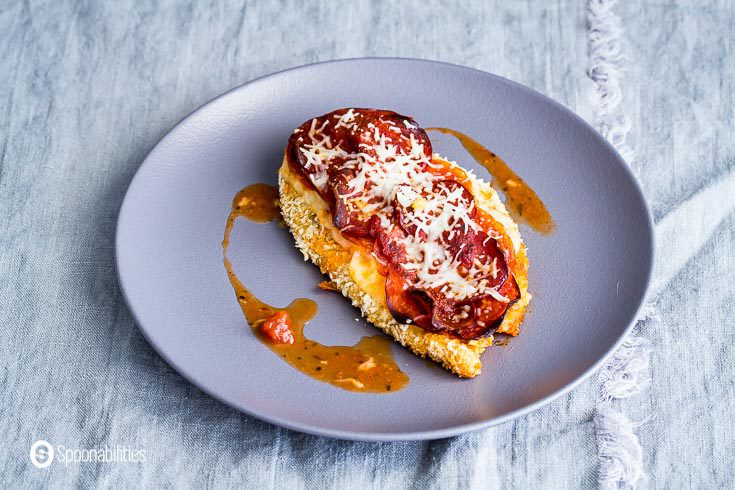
(424, 248)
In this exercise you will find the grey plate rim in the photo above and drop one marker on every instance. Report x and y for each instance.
(415, 435)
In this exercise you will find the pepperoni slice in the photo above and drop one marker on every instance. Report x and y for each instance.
(489, 312)
(405, 305)
(476, 318)
(352, 135)
(346, 214)
(395, 128)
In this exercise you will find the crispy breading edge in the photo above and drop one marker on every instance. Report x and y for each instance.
(317, 244)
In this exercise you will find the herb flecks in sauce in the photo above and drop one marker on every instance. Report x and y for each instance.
(522, 202)
(368, 366)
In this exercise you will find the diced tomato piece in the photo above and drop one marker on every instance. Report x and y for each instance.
(278, 328)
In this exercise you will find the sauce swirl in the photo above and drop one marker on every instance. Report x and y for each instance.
(522, 201)
(368, 366)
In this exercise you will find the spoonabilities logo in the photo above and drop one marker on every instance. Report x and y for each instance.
(42, 454)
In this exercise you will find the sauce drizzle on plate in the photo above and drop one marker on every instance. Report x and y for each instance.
(368, 366)
(522, 201)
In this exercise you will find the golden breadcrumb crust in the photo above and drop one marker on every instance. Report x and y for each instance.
(315, 239)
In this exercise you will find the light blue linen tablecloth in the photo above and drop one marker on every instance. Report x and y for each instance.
(87, 89)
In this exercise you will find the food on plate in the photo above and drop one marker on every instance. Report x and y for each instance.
(425, 249)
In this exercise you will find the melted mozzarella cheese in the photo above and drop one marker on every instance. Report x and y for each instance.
(364, 271)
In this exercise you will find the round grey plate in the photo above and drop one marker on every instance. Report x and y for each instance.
(588, 279)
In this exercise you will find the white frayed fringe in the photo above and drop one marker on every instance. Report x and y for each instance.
(603, 42)
(620, 452)
(618, 449)
(626, 374)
